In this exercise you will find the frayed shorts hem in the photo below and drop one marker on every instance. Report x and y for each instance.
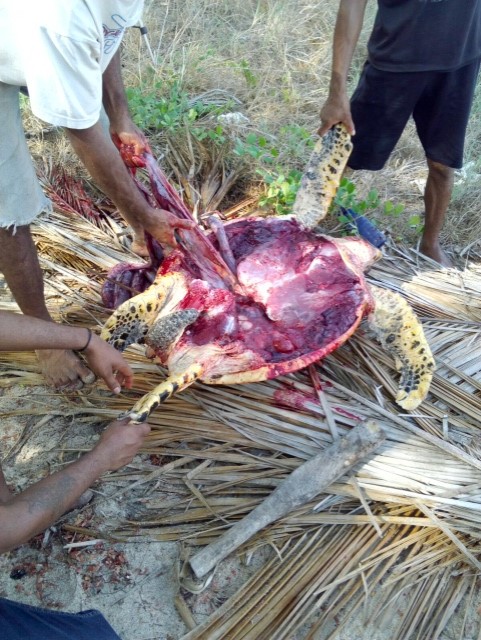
(25, 221)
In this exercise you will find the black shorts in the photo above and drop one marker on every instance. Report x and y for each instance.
(439, 102)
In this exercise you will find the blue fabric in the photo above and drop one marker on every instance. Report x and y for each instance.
(23, 622)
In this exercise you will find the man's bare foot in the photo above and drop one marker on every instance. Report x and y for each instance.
(63, 369)
(436, 253)
(138, 245)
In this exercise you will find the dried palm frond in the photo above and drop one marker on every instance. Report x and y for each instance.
(406, 526)
(205, 171)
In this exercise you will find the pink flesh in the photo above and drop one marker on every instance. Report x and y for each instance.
(208, 260)
(300, 298)
(300, 401)
(294, 399)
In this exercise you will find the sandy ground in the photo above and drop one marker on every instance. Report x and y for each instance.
(134, 585)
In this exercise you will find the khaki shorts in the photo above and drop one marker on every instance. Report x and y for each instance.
(21, 197)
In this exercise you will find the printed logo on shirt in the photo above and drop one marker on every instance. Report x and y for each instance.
(114, 34)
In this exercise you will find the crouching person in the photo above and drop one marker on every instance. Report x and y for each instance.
(25, 514)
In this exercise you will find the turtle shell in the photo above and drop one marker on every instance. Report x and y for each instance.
(297, 299)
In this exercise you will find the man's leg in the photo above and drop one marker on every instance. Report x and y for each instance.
(441, 116)
(437, 196)
(21, 200)
(20, 266)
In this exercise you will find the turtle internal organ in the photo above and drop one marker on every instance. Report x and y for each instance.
(297, 297)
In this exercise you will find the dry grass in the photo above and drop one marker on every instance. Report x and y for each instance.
(286, 49)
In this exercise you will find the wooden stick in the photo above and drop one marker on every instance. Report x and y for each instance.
(302, 485)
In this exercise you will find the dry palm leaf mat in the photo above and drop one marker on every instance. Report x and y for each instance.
(405, 526)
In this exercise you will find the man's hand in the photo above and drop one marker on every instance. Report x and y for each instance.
(163, 224)
(133, 143)
(107, 363)
(119, 443)
(334, 111)
(25, 514)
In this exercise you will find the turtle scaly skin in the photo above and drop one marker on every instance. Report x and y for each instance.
(321, 178)
(400, 333)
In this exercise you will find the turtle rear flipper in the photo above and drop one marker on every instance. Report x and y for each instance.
(401, 334)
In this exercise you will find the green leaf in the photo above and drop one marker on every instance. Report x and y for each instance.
(361, 207)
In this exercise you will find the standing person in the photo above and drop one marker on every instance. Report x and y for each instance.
(423, 60)
(25, 514)
(67, 54)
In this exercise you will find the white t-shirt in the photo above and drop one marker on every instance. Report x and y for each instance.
(59, 50)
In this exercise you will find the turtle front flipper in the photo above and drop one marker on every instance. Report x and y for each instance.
(401, 334)
(130, 323)
(162, 392)
(322, 176)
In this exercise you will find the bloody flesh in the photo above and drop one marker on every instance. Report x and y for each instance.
(296, 294)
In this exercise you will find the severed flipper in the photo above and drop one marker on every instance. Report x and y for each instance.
(322, 176)
(401, 334)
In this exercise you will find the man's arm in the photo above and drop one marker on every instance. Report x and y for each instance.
(346, 35)
(117, 108)
(24, 515)
(102, 160)
(25, 333)
(30, 512)
(5, 493)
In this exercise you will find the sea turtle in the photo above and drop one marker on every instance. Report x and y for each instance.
(291, 297)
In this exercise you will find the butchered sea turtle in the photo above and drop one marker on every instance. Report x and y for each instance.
(261, 297)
